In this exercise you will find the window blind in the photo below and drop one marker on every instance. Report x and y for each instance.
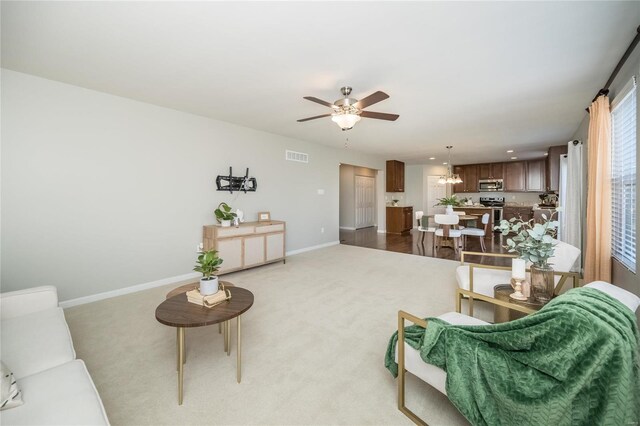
(623, 176)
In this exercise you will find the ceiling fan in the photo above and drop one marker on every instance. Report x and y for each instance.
(348, 111)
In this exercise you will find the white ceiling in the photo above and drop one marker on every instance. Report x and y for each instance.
(482, 76)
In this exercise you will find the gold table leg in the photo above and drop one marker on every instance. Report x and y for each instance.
(180, 362)
(239, 362)
(225, 336)
(228, 323)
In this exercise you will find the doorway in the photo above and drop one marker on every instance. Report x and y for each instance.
(365, 198)
(435, 191)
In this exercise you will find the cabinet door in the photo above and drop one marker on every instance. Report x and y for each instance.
(515, 176)
(275, 246)
(470, 178)
(536, 175)
(484, 171)
(497, 170)
(253, 250)
(230, 251)
(399, 176)
(459, 187)
(408, 218)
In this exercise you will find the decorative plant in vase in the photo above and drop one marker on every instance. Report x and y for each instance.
(535, 243)
(224, 214)
(208, 264)
(450, 203)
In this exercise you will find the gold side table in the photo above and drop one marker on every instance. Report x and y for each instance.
(504, 314)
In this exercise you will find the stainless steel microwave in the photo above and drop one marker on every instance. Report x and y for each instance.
(490, 185)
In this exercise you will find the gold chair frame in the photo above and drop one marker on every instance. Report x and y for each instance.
(402, 316)
(471, 295)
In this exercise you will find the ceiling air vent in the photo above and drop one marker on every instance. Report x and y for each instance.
(300, 157)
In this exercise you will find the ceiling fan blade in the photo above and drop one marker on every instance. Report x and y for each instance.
(373, 98)
(313, 118)
(319, 101)
(379, 115)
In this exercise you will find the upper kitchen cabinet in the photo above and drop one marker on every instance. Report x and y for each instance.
(553, 167)
(459, 187)
(515, 176)
(470, 178)
(490, 171)
(536, 170)
(395, 176)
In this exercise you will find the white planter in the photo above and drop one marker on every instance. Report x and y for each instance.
(208, 287)
(225, 223)
(449, 210)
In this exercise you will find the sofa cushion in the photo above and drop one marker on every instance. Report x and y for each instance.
(10, 395)
(429, 373)
(625, 297)
(484, 280)
(64, 395)
(36, 342)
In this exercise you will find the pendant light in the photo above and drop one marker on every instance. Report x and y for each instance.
(450, 177)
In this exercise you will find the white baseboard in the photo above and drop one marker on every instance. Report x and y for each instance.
(348, 228)
(319, 246)
(127, 290)
(164, 281)
(382, 231)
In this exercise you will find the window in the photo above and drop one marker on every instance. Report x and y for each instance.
(623, 176)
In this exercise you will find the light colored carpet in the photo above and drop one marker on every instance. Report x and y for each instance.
(313, 346)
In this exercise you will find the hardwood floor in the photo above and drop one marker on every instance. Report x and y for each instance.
(410, 244)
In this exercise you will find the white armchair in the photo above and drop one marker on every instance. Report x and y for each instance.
(410, 361)
(476, 281)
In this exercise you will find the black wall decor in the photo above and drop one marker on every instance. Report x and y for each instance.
(236, 183)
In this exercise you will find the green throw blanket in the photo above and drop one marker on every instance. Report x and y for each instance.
(575, 362)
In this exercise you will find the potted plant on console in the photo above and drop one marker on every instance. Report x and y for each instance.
(224, 214)
(534, 242)
(449, 202)
(208, 264)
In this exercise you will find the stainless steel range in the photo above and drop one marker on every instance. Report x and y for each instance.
(496, 203)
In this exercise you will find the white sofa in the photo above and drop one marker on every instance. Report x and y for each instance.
(37, 347)
(437, 377)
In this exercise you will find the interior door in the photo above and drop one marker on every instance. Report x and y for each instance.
(365, 201)
(434, 192)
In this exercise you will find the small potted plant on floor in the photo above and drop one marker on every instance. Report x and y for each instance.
(449, 202)
(208, 264)
(224, 214)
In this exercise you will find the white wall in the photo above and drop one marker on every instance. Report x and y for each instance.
(101, 192)
(413, 188)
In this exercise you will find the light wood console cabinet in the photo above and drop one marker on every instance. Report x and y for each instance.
(251, 244)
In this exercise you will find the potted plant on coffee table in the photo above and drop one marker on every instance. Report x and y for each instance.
(534, 242)
(208, 264)
(449, 202)
(224, 214)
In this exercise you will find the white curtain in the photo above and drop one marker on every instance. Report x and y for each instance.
(572, 193)
(562, 196)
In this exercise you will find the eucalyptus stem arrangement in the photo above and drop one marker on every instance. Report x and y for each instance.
(534, 242)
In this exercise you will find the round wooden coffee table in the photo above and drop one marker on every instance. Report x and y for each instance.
(177, 312)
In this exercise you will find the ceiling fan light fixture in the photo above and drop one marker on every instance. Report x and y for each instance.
(346, 121)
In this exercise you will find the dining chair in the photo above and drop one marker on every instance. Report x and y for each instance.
(446, 221)
(477, 232)
(419, 215)
(424, 228)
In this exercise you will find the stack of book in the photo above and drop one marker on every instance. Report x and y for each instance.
(210, 301)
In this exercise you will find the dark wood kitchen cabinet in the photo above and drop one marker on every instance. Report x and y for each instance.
(536, 171)
(395, 176)
(553, 167)
(490, 171)
(470, 178)
(399, 220)
(515, 176)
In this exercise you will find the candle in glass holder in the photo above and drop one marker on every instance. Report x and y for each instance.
(518, 269)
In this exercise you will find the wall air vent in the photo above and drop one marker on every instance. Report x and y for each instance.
(300, 157)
